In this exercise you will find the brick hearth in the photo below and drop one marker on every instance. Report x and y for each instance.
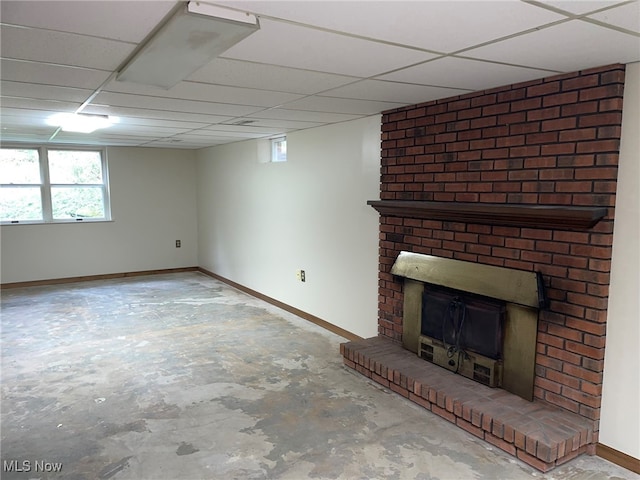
(537, 433)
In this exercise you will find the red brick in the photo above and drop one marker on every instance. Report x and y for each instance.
(585, 350)
(610, 104)
(574, 186)
(565, 123)
(613, 131)
(443, 413)
(561, 379)
(582, 373)
(527, 104)
(458, 105)
(591, 389)
(511, 94)
(501, 444)
(548, 385)
(560, 99)
(600, 119)
(611, 145)
(561, 401)
(469, 427)
(534, 462)
(543, 89)
(581, 397)
(579, 134)
(543, 114)
(537, 257)
(580, 82)
(579, 108)
(560, 149)
(511, 118)
(611, 90)
(564, 355)
(483, 100)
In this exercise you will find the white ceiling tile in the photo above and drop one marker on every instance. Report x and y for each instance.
(443, 26)
(304, 116)
(31, 121)
(43, 92)
(626, 16)
(153, 123)
(249, 129)
(214, 130)
(387, 91)
(48, 74)
(205, 135)
(342, 105)
(142, 114)
(9, 128)
(205, 92)
(583, 44)
(26, 43)
(224, 71)
(202, 140)
(21, 136)
(127, 21)
(464, 74)
(32, 104)
(143, 130)
(177, 144)
(282, 124)
(172, 104)
(71, 138)
(293, 46)
(580, 7)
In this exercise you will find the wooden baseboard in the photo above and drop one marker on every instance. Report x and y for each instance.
(619, 458)
(107, 276)
(307, 316)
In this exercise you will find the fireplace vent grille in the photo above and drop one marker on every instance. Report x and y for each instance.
(471, 365)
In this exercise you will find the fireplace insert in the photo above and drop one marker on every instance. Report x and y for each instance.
(463, 332)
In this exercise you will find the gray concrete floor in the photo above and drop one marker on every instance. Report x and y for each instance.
(182, 377)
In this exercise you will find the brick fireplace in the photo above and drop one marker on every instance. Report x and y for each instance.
(549, 143)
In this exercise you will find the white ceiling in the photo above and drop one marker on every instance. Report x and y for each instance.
(311, 63)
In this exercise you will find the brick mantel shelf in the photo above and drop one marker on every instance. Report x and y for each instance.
(518, 215)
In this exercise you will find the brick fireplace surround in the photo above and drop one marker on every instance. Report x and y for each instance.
(552, 141)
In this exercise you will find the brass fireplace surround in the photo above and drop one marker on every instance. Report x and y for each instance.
(520, 289)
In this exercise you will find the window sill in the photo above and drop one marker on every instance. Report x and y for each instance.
(56, 222)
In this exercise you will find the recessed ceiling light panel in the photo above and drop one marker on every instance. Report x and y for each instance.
(80, 122)
(189, 40)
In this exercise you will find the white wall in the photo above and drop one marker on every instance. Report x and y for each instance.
(620, 416)
(260, 222)
(153, 203)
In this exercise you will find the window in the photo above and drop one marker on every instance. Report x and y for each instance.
(279, 149)
(41, 185)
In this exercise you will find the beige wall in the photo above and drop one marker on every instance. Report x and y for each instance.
(260, 222)
(620, 417)
(153, 204)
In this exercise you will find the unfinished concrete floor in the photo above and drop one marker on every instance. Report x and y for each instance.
(181, 377)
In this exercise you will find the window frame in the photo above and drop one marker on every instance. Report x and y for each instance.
(45, 184)
(274, 148)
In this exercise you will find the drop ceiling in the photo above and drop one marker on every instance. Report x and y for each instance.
(311, 63)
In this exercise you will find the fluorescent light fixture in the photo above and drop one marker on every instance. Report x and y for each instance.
(190, 39)
(80, 122)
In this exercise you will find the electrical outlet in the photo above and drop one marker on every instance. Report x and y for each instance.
(300, 275)
(178, 243)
